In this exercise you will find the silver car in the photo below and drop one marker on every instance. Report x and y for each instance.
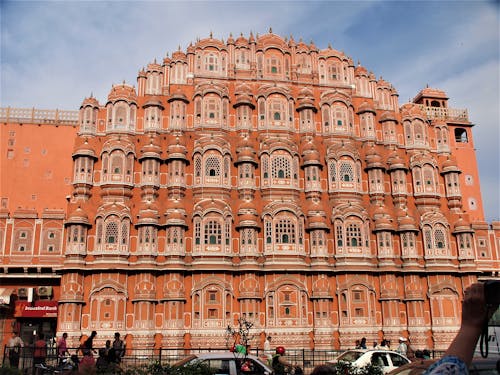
(387, 360)
(228, 363)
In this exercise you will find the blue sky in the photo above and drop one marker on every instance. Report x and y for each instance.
(55, 53)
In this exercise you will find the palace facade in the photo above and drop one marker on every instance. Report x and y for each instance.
(256, 177)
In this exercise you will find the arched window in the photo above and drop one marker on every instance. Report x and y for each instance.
(461, 135)
(281, 167)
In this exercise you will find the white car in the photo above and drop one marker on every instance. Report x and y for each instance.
(387, 360)
(228, 363)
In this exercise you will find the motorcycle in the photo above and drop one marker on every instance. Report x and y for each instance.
(66, 366)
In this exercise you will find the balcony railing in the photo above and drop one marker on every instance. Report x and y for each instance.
(38, 116)
(456, 114)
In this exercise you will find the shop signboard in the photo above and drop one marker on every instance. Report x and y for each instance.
(37, 309)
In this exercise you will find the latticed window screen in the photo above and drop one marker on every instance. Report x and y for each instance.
(428, 238)
(346, 172)
(197, 166)
(265, 166)
(147, 235)
(280, 167)
(213, 233)
(124, 232)
(340, 235)
(269, 232)
(212, 166)
(353, 233)
(284, 231)
(197, 232)
(226, 167)
(439, 239)
(429, 177)
(333, 171)
(111, 235)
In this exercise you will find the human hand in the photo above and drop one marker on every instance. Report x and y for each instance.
(474, 310)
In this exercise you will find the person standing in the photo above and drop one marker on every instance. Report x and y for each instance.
(268, 352)
(62, 347)
(14, 346)
(39, 353)
(118, 347)
(402, 347)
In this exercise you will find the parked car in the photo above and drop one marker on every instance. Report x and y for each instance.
(479, 366)
(228, 363)
(387, 360)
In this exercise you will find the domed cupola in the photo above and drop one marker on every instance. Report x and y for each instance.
(84, 149)
(245, 153)
(449, 166)
(148, 215)
(151, 150)
(176, 149)
(387, 116)
(306, 100)
(406, 223)
(123, 92)
(310, 155)
(462, 226)
(78, 216)
(247, 216)
(241, 41)
(383, 221)
(366, 107)
(373, 160)
(395, 162)
(316, 217)
(175, 214)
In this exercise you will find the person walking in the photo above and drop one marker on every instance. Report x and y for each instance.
(39, 353)
(14, 345)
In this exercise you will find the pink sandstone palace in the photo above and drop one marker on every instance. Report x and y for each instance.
(257, 177)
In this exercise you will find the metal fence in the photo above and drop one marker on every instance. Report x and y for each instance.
(307, 359)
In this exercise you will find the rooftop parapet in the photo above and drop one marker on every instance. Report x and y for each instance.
(38, 116)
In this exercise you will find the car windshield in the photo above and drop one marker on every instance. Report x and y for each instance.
(182, 362)
(349, 356)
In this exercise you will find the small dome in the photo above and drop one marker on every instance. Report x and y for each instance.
(176, 148)
(366, 107)
(153, 101)
(90, 102)
(179, 56)
(154, 67)
(396, 162)
(450, 165)
(373, 160)
(148, 215)
(151, 150)
(462, 226)
(387, 116)
(241, 41)
(407, 224)
(84, 149)
(122, 92)
(360, 71)
(178, 95)
(78, 216)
